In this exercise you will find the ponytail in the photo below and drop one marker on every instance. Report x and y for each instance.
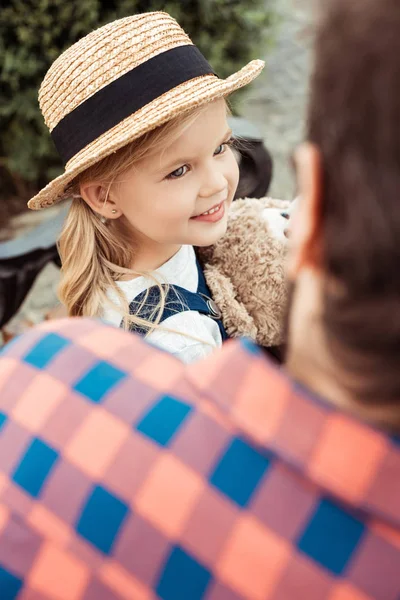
(94, 256)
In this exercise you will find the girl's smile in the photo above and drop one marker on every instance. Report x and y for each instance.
(213, 215)
(167, 195)
(180, 192)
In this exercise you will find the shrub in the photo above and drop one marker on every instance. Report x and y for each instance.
(34, 32)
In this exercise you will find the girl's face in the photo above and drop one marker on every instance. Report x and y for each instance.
(165, 197)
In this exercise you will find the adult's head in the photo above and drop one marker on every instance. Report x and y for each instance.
(344, 326)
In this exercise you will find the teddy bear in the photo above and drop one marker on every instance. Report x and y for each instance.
(245, 270)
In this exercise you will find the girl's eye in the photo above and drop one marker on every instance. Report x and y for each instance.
(178, 172)
(222, 148)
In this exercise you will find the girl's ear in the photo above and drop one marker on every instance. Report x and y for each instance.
(99, 199)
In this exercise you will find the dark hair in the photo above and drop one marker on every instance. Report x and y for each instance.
(255, 167)
(354, 119)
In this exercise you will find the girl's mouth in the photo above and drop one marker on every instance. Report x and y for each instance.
(213, 215)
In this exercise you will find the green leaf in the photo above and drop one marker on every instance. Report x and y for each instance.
(33, 33)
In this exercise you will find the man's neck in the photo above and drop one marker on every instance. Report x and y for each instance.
(340, 387)
(329, 369)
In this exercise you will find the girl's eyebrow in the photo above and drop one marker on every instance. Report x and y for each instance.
(183, 160)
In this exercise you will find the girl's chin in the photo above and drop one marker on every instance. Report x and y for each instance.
(208, 238)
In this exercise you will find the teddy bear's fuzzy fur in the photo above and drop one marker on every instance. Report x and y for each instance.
(246, 275)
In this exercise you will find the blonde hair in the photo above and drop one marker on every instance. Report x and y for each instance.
(96, 254)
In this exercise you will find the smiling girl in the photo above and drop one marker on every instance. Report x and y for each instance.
(141, 121)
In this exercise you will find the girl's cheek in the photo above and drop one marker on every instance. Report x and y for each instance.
(232, 173)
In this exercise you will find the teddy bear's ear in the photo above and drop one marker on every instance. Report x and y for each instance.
(236, 319)
(245, 272)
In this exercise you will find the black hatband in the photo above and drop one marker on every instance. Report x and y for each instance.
(126, 95)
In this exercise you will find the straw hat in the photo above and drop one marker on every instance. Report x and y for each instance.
(119, 82)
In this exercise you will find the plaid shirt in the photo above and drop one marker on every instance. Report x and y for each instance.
(125, 474)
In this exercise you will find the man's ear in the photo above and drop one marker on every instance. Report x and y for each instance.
(305, 230)
(99, 200)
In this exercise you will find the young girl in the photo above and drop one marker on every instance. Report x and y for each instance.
(139, 118)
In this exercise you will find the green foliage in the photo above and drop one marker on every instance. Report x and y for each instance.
(34, 32)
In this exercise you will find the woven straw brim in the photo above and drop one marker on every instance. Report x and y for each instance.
(179, 100)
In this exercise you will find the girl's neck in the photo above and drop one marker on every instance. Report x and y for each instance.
(150, 257)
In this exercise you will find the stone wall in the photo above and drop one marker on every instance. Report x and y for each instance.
(276, 102)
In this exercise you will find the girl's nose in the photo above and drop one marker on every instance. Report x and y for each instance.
(214, 183)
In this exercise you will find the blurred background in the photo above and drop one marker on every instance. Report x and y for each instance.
(228, 32)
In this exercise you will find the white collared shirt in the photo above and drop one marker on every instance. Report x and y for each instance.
(193, 336)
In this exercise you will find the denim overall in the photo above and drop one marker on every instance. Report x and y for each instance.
(177, 300)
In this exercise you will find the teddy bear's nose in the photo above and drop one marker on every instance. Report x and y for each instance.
(285, 215)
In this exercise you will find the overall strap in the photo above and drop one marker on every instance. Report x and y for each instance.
(204, 290)
(177, 300)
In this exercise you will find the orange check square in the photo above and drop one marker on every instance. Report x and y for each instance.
(346, 591)
(169, 495)
(4, 516)
(57, 574)
(347, 457)
(388, 533)
(253, 559)
(7, 367)
(166, 368)
(105, 342)
(39, 401)
(260, 411)
(203, 372)
(63, 323)
(97, 442)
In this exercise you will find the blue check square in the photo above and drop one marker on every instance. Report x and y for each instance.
(101, 519)
(46, 349)
(183, 578)
(164, 420)
(239, 471)
(3, 420)
(99, 381)
(250, 347)
(396, 440)
(35, 466)
(331, 536)
(10, 584)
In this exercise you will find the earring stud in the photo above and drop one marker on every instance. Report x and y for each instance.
(113, 212)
